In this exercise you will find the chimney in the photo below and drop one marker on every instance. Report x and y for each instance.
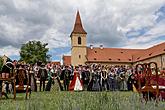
(101, 46)
(91, 46)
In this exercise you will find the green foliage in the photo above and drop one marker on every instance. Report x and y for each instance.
(34, 51)
(55, 100)
(1, 63)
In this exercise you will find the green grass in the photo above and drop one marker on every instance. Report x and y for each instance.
(79, 101)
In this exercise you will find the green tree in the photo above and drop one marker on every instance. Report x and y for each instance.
(34, 51)
(1, 63)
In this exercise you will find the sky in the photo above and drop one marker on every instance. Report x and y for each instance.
(111, 23)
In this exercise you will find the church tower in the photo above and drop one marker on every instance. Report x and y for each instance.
(78, 43)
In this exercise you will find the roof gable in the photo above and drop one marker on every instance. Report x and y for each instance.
(78, 28)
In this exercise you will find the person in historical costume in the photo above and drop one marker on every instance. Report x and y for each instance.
(85, 77)
(57, 86)
(104, 80)
(123, 84)
(112, 83)
(96, 81)
(32, 79)
(130, 82)
(51, 73)
(57, 83)
(119, 82)
(90, 84)
(36, 69)
(42, 75)
(76, 84)
(66, 76)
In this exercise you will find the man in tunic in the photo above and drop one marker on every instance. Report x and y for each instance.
(85, 77)
(42, 75)
(65, 76)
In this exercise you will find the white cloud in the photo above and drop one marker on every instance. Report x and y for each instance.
(106, 22)
(55, 38)
(9, 51)
(149, 38)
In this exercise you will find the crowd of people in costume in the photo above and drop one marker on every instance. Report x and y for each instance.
(91, 77)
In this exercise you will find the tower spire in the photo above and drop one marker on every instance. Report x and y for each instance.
(78, 28)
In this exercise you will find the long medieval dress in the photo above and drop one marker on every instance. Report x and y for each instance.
(57, 86)
(76, 84)
(96, 82)
(32, 80)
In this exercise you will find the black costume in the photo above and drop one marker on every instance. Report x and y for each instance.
(85, 78)
(66, 76)
(42, 74)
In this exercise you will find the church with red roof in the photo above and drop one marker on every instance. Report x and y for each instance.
(81, 54)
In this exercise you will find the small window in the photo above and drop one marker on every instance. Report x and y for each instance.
(121, 52)
(79, 56)
(110, 59)
(79, 40)
(119, 59)
(95, 51)
(94, 58)
(129, 59)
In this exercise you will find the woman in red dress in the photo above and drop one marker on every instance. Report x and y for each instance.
(76, 84)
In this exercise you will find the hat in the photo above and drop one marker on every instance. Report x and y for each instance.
(76, 67)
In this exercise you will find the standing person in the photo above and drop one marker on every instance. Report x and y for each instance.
(111, 80)
(91, 80)
(96, 81)
(32, 79)
(130, 82)
(42, 75)
(36, 69)
(85, 77)
(104, 80)
(50, 78)
(57, 84)
(65, 75)
(76, 84)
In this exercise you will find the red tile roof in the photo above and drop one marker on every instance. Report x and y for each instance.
(150, 52)
(111, 54)
(123, 55)
(66, 60)
(119, 54)
(78, 28)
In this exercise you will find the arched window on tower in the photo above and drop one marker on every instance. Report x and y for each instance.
(79, 40)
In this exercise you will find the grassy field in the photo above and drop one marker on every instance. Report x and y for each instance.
(79, 101)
